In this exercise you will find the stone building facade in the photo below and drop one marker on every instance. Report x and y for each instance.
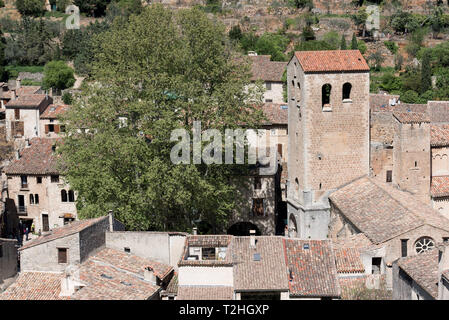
(40, 194)
(328, 96)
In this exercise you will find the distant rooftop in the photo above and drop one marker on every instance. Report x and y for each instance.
(332, 61)
(263, 68)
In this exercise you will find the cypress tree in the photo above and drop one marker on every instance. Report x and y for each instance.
(343, 43)
(426, 72)
(354, 44)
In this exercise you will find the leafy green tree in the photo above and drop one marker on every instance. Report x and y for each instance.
(180, 69)
(359, 19)
(272, 44)
(58, 75)
(67, 98)
(354, 44)
(31, 7)
(313, 45)
(398, 61)
(301, 4)
(410, 96)
(94, 8)
(362, 46)
(378, 59)
(333, 38)
(392, 46)
(391, 83)
(426, 72)
(307, 33)
(411, 80)
(343, 45)
(415, 41)
(235, 33)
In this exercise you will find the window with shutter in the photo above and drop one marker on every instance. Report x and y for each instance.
(258, 207)
(62, 255)
(56, 128)
(17, 114)
(46, 128)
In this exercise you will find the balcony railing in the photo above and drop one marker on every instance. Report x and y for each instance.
(22, 209)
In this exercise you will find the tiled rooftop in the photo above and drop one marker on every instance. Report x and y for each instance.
(439, 111)
(205, 293)
(34, 286)
(64, 231)
(312, 269)
(383, 212)
(439, 135)
(276, 113)
(207, 241)
(381, 102)
(411, 117)
(264, 69)
(267, 271)
(439, 186)
(423, 269)
(54, 110)
(27, 100)
(332, 61)
(38, 159)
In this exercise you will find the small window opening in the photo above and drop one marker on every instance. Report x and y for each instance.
(376, 262)
(62, 255)
(257, 183)
(347, 91)
(326, 95)
(404, 247)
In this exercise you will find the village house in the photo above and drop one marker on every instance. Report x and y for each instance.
(40, 195)
(395, 222)
(256, 267)
(50, 126)
(423, 277)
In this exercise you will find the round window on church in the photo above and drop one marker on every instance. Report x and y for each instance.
(424, 244)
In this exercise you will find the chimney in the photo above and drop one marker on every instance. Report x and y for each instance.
(13, 94)
(111, 220)
(69, 283)
(195, 231)
(252, 238)
(17, 154)
(18, 80)
(149, 275)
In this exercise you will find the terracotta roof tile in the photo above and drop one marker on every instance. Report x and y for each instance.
(439, 186)
(312, 269)
(381, 102)
(39, 159)
(27, 100)
(54, 110)
(205, 293)
(348, 260)
(332, 61)
(411, 117)
(276, 113)
(383, 212)
(264, 69)
(439, 135)
(64, 231)
(34, 286)
(439, 111)
(423, 269)
(268, 272)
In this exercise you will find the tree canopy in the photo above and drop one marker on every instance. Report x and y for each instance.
(58, 75)
(122, 162)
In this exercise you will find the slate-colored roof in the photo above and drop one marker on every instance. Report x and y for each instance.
(264, 69)
(276, 113)
(383, 212)
(439, 135)
(423, 269)
(64, 231)
(332, 61)
(439, 111)
(172, 287)
(205, 293)
(269, 273)
(34, 286)
(439, 186)
(411, 117)
(312, 269)
(115, 275)
(38, 159)
(54, 110)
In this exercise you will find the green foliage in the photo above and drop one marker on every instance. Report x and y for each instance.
(62, 4)
(307, 33)
(313, 45)
(398, 61)
(362, 46)
(377, 58)
(359, 18)
(94, 8)
(343, 45)
(354, 43)
(31, 43)
(273, 44)
(58, 75)
(406, 22)
(235, 33)
(2, 3)
(128, 169)
(426, 72)
(212, 6)
(410, 96)
(333, 39)
(67, 98)
(31, 7)
(301, 4)
(122, 9)
(392, 46)
(391, 83)
(415, 41)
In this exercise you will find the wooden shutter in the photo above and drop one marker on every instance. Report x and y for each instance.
(17, 114)
(46, 128)
(20, 128)
(13, 128)
(280, 150)
(62, 255)
(56, 128)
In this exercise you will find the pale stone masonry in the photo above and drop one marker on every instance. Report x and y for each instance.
(328, 136)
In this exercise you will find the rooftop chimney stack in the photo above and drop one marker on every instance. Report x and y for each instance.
(252, 238)
(195, 231)
(18, 80)
(13, 94)
(111, 220)
(149, 275)
(69, 283)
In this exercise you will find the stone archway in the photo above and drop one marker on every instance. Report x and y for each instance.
(292, 227)
(242, 229)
